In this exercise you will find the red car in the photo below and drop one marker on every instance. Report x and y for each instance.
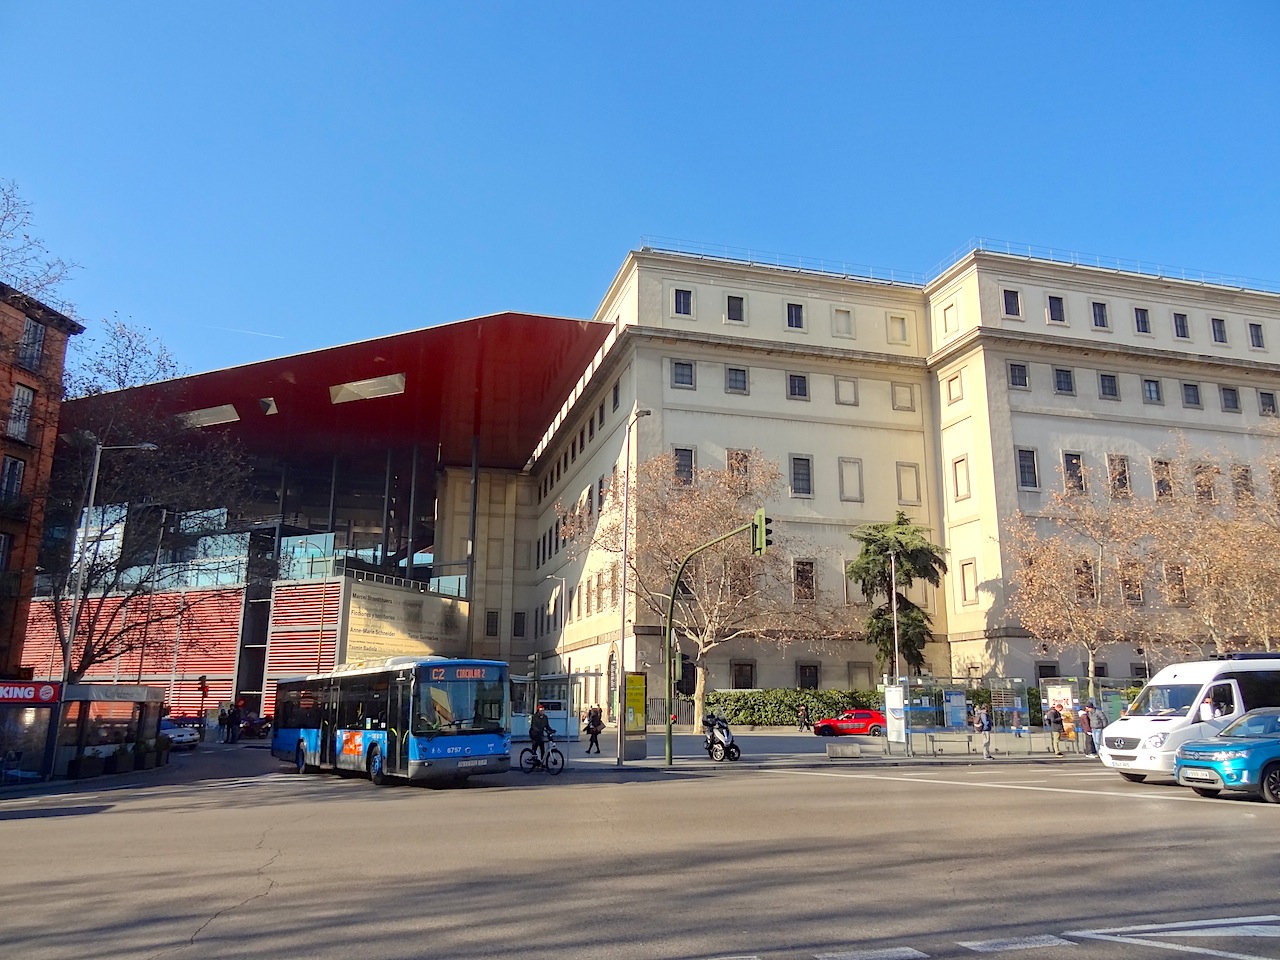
(856, 721)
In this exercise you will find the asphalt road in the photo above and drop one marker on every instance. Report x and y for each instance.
(224, 854)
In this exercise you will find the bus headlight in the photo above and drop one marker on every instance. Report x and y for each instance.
(1155, 741)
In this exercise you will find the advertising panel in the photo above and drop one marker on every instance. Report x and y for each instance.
(30, 694)
(387, 620)
(895, 714)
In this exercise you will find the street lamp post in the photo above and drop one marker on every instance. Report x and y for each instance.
(622, 634)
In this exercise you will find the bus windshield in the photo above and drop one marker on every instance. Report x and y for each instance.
(450, 700)
(1175, 700)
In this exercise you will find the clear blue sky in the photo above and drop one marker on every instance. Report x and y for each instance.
(250, 180)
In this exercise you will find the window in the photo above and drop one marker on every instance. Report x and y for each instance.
(591, 429)
(491, 623)
(1162, 476)
(737, 464)
(1151, 392)
(1073, 472)
(684, 463)
(1118, 476)
(1086, 583)
(1028, 475)
(742, 674)
(795, 316)
(684, 303)
(1064, 381)
(11, 471)
(1018, 375)
(1057, 310)
(903, 396)
(617, 395)
(735, 380)
(1191, 394)
(1099, 315)
(1108, 386)
(682, 374)
(1181, 328)
(797, 386)
(802, 476)
(955, 389)
(847, 391)
(1266, 403)
(897, 329)
(31, 349)
(1202, 480)
(1141, 320)
(1219, 327)
(1242, 482)
(968, 581)
(803, 580)
(600, 413)
(1255, 336)
(735, 309)
(807, 675)
(1131, 581)
(950, 318)
(518, 623)
(908, 483)
(841, 322)
(6, 550)
(851, 479)
(1175, 583)
(1230, 399)
(600, 494)
(1012, 306)
(20, 411)
(960, 478)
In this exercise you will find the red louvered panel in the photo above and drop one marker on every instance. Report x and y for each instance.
(296, 645)
(40, 650)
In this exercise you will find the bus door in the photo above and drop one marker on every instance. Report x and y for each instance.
(400, 702)
(328, 723)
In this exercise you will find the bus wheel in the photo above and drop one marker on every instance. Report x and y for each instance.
(374, 766)
(300, 760)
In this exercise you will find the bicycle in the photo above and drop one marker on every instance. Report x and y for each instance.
(553, 764)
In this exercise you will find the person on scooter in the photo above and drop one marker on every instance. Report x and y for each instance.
(540, 732)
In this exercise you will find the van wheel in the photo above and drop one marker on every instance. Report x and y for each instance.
(1133, 777)
(1205, 792)
(1271, 783)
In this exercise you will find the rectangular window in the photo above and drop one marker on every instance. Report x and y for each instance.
(802, 476)
(613, 588)
(797, 386)
(682, 375)
(11, 471)
(491, 623)
(617, 395)
(1118, 476)
(1255, 336)
(1242, 482)
(841, 322)
(1064, 381)
(960, 478)
(1012, 306)
(1191, 394)
(1175, 584)
(1181, 327)
(6, 550)
(847, 391)
(600, 494)
(518, 623)
(955, 389)
(600, 414)
(31, 349)
(1057, 310)
(1267, 403)
(684, 303)
(795, 316)
(1028, 475)
(1141, 320)
(1086, 583)
(1073, 472)
(1219, 329)
(742, 674)
(1151, 392)
(1202, 480)
(908, 484)
(735, 380)
(1162, 476)
(735, 309)
(591, 429)
(950, 318)
(903, 396)
(897, 329)
(1131, 581)
(851, 479)
(1099, 315)
(807, 675)
(1018, 375)
(20, 411)
(684, 464)
(1230, 399)
(1108, 386)
(805, 586)
(737, 463)
(968, 581)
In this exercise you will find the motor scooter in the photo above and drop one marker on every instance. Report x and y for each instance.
(719, 739)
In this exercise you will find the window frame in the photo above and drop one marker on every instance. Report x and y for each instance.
(1142, 320)
(844, 308)
(841, 396)
(798, 566)
(688, 297)
(1265, 410)
(1198, 402)
(1099, 310)
(1218, 331)
(1225, 392)
(1073, 472)
(1005, 312)
(1068, 391)
(745, 389)
(792, 380)
(1257, 339)
(855, 474)
(1048, 309)
(21, 408)
(1119, 477)
(1115, 381)
(1158, 399)
(793, 317)
(742, 304)
(677, 477)
(959, 467)
(793, 459)
(1010, 365)
(1018, 463)
(678, 364)
(1181, 326)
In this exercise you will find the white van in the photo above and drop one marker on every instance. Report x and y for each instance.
(1172, 709)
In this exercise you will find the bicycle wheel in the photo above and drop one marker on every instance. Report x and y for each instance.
(526, 760)
(555, 761)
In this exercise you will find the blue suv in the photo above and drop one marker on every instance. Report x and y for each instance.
(1244, 758)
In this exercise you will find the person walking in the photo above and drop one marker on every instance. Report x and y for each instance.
(802, 718)
(222, 725)
(233, 725)
(1085, 723)
(595, 724)
(982, 722)
(1097, 721)
(1053, 724)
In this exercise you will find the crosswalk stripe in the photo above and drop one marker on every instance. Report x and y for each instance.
(887, 953)
(1015, 943)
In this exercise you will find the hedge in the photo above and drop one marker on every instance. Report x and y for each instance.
(777, 708)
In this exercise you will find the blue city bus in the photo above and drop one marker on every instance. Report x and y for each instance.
(403, 718)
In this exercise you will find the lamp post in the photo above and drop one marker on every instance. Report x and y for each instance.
(622, 634)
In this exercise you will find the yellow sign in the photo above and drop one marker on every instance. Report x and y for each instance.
(386, 620)
(633, 714)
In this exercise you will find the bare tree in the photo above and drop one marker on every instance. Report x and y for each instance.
(115, 356)
(25, 263)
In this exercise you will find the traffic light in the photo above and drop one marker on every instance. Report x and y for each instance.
(203, 683)
(536, 660)
(686, 677)
(761, 532)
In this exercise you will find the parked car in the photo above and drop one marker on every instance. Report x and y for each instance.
(259, 727)
(181, 738)
(1243, 758)
(856, 721)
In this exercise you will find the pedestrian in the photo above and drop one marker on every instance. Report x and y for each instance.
(1085, 723)
(233, 725)
(802, 718)
(1053, 724)
(1098, 721)
(595, 723)
(222, 725)
(982, 722)
(1017, 724)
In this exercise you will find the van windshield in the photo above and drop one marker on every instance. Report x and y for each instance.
(1175, 700)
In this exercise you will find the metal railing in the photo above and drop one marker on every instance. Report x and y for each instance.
(762, 258)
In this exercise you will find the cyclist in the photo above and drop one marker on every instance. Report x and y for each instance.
(540, 733)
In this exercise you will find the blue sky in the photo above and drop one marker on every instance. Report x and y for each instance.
(251, 180)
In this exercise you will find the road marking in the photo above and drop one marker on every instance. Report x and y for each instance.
(1015, 943)
(1190, 798)
(1263, 926)
(888, 953)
